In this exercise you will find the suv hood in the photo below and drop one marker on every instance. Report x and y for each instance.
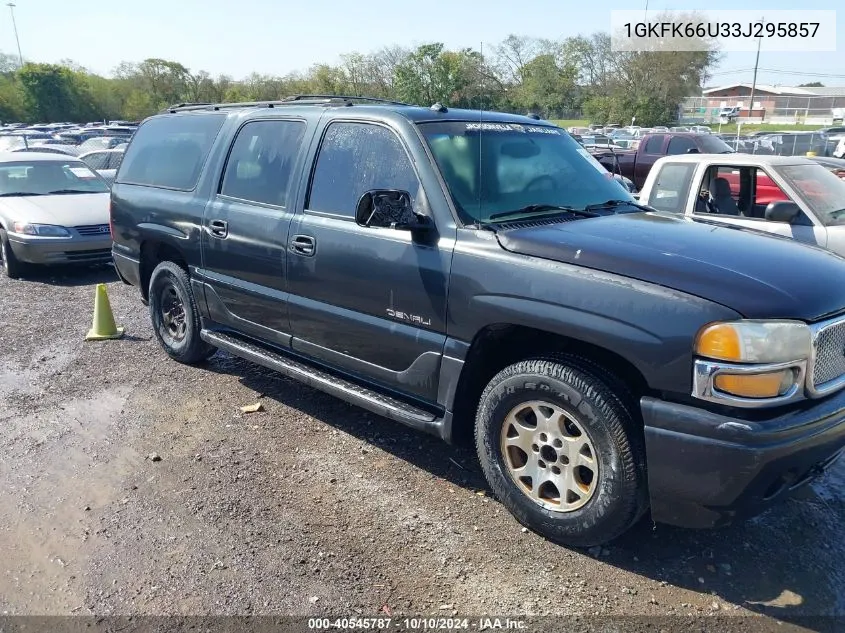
(70, 209)
(758, 275)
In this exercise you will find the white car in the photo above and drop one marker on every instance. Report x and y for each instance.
(839, 150)
(53, 210)
(791, 196)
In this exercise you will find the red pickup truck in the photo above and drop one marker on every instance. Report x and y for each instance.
(635, 164)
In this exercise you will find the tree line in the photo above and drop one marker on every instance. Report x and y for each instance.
(557, 79)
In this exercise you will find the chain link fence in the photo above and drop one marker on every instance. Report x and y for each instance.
(807, 110)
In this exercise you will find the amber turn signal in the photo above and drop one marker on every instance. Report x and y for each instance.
(769, 385)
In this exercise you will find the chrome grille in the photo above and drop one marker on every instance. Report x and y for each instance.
(92, 229)
(829, 343)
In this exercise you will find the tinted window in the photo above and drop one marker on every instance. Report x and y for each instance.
(654, 144)
(671, 189)
(354, 158)
(115, 159)
(496, 170)
(711, 144)
(261, 160)
(100, 160)
(680, 145)
(169, 151)
(823, 192)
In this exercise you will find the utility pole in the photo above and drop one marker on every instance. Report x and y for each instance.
(11, 6)
(754, 81)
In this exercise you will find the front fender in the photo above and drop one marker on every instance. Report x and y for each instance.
(651, 327)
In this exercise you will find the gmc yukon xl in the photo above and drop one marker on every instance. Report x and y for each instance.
(478, 275)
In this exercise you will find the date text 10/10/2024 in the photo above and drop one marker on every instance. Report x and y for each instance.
(416, 624)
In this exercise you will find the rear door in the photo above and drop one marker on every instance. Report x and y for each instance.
(246, 225)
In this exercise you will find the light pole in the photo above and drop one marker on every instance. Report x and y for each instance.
(11, 6)
(754, 80)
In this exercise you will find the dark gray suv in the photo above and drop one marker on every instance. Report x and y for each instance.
(478, 275)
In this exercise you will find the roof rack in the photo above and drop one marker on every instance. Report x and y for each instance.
(349, 98)
(298, 99)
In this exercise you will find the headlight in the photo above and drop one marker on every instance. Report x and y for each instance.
(43, 230)
(755, 341)
(748, 362)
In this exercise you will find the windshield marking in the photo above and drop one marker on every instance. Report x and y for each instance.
(512, 127)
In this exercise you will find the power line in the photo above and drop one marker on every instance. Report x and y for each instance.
(775, 71)
(801, 73)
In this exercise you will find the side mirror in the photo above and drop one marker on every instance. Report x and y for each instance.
(782, 211)
(693, 150)
(390, 208)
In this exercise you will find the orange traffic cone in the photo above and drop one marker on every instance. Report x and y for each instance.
(103, 326)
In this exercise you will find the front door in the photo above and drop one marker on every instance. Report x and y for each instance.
(371, 301)
(740, 195)
(245, 229)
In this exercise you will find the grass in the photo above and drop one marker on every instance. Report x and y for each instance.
(726, 129)
(565, 123)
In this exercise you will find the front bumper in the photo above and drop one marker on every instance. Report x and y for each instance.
(61, 250)
(706, 470)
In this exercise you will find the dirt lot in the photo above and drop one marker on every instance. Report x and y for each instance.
(134, 485)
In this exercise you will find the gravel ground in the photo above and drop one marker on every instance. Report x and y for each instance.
(132, 485)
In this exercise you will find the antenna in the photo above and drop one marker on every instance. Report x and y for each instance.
(480, 124)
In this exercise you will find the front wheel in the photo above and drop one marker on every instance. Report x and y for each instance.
(562, 452)
(9, 264)
(174, 314)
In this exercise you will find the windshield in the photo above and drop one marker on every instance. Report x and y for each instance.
(44, 177)
(493, 168)
(711, 144)
(819, 188)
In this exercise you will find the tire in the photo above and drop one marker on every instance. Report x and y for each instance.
(11, 267)
(566, 417)
(174, 314)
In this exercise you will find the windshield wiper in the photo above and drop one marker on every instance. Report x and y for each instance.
(616, 203)
(542, 208)
(58, 191)
(14, 194)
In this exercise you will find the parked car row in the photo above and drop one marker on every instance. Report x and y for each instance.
(100, 146)
(823, 142)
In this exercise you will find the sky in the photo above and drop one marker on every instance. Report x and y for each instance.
(280, 36)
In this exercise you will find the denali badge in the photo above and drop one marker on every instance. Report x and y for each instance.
(410, 318)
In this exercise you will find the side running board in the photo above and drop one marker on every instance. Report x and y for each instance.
(335, 385)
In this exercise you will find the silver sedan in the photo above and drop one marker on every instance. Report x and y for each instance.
(53, 210)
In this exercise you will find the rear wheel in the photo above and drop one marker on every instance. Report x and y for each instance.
(9, 264)
(562, 451)
(175, 316)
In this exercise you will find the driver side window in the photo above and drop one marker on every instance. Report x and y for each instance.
(355, 158)
(680, 145)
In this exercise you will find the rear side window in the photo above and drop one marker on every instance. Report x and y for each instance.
(261, 161)
(672, 187)
(100, 160)
(354, 158)
(169, 151)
